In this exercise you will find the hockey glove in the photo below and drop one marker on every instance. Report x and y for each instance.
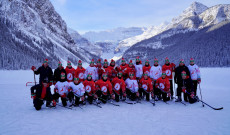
(184, 90)
(54, 103)
(199, 80)
(192, 95)
(169, 94)
(33, 96)
(33, 68)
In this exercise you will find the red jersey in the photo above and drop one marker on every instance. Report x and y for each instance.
(129, 70)
(168, 70)
(147, 84)
(163, 84)
(147, 69)
(104, 86)
(108, 71)
(99, 71)
(118, 84)
(79, 73)
(70, 73)
(122, 68)
(89, 87)
(114, 71)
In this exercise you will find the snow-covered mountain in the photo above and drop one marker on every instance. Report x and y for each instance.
(85, 44)
(32, 30)
(113, 35)
(202, 35)
(194, 9)
(108, 40)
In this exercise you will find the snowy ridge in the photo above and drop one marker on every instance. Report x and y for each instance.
(194, 9)
(84, 44)
(36, 25)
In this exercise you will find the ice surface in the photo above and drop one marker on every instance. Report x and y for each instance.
(18, 116)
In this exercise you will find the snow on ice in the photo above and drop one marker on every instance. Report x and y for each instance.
(18, 116)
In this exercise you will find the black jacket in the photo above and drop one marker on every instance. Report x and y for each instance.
(57, 74)
(187, 83)
(178, 70)
(37, 89)
(44, 73)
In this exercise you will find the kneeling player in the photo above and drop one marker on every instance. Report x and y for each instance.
(89, 88)
(132, 87)
(77, 90)
(146, 86)
(61, 90)
(186, 86)
(119, 87)
(104, 89)
(41, 92)
(163, 87)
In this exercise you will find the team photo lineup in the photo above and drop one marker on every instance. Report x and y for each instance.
(102, 83)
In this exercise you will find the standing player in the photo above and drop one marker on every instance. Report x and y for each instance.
(44, 71)
(195, 74)
(122, 67)
(80, 71)
(70, 71)
(147, 67)
(113, 68)
(58, 71)
(91, 69)
(169, 68)
(178, 77)
(138, 69)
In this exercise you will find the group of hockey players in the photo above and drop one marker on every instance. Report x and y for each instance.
(104, 82)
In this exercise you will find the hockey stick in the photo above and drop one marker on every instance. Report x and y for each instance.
(27, 84)
(34, 78)
(108, 101)
(206, 103)
(201, 95)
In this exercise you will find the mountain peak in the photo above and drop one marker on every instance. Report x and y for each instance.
(195, 8)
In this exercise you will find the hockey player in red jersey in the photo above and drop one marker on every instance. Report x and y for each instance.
(99, 69)
(70, 71)
(90, 89)
(106, 69)
(123, 66)
(80, 71)
(169, 68)
(104, 89)
(119, 87)
(113, 68)
(147, 67)
(146, 86)
(130, 69)
(163, 88)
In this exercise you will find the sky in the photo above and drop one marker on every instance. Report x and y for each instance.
(98, 15)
